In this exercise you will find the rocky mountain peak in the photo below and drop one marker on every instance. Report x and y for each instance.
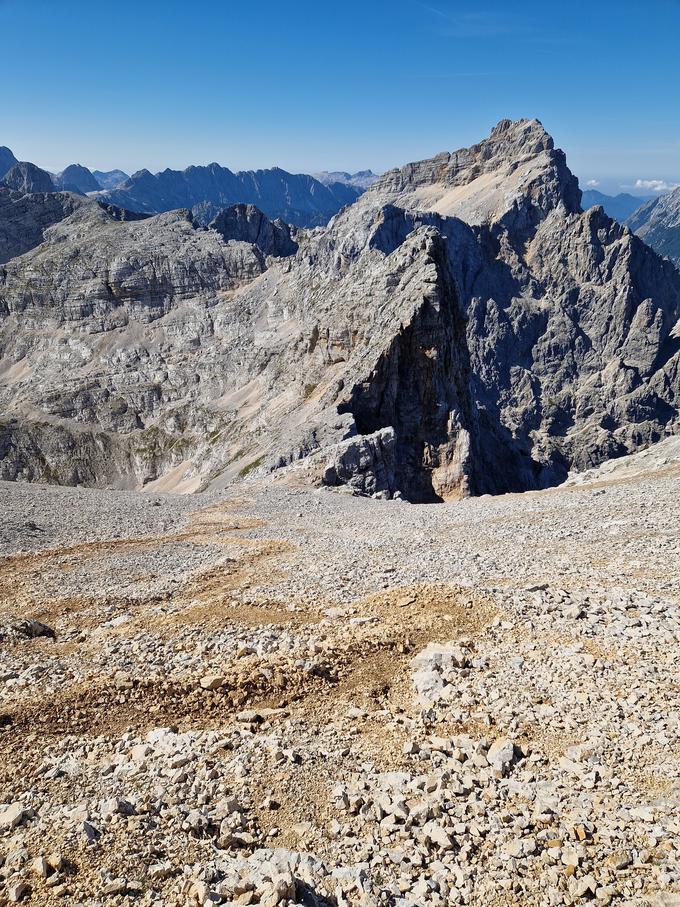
(26, 177)
(76, 178)
(516, 172)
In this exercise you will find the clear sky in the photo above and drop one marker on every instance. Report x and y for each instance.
(312, 85)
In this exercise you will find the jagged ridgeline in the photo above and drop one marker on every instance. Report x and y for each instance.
(462, 328)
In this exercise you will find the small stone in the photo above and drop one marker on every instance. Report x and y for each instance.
(115, 886)
(212, 681)
(11, 816)
(620, 859)
(34, 628)
(116, 806)
(91, 833)
(55, 860)
(41, 867)
(140, 751)
(570, 856)
(17, 892)
(514, 848)
(501, 752)
(160, 870)
(439, 836)
(249, 717)
(587, 885)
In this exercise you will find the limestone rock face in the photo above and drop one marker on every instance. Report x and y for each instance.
(658, 223)
(462, 328)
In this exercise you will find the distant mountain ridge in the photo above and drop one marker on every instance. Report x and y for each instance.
(298, 199)
(110, 179)
(620, 206)
(462, 328)
(362, 179)
(26, 177)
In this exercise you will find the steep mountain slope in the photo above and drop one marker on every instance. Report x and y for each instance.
(295, 198)
(658, 223)
(462, 328)
(7, 160)
(620, 206)
(76, 178)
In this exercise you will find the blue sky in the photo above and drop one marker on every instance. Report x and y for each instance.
(307, 86)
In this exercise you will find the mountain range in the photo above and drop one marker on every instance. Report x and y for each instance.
(298, 199)
(463, 327)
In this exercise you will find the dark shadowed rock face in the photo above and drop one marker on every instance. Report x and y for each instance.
(297, 199)
(246, 223)
(26, 177)
(76, 178)
(658, 223)
(462, 328)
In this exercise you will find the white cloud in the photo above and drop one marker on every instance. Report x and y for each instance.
(593, 183)
(656, 185)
